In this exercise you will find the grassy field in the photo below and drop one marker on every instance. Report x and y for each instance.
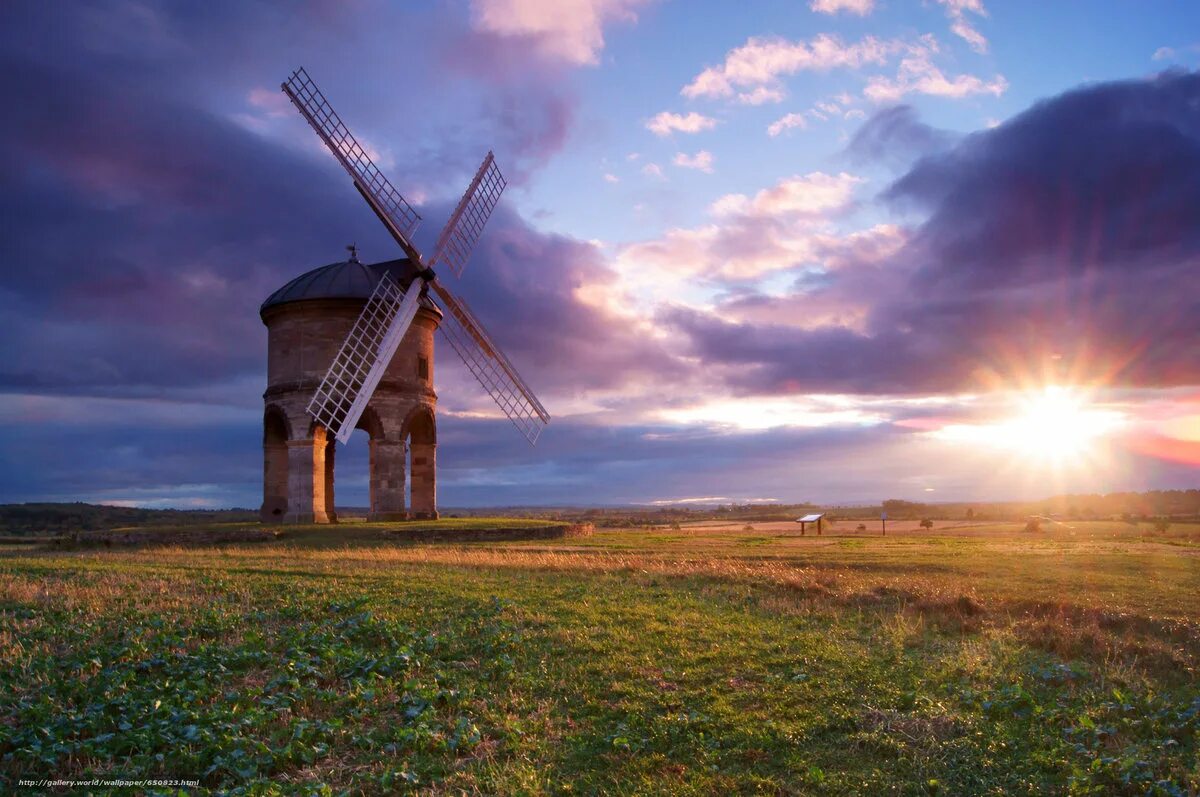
(705, 659)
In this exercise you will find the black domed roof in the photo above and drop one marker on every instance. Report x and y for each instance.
(348, 280)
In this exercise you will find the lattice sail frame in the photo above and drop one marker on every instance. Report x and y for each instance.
(490, 367)
(466, 224)
(359, 365)
(352, 378)
(392, 208)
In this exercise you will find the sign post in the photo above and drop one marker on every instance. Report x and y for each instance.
(883, 517)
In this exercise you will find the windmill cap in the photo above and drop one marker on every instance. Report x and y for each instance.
(349, 279)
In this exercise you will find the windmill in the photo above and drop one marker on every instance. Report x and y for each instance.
(355, 372)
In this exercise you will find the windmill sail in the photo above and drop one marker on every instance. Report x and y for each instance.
(466, 223)
(359, 365)
(490, 367)
(391, 207)
(356, 371)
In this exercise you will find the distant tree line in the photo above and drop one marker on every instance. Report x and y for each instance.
(1179, 504)
(25, 519)
(1147, 505)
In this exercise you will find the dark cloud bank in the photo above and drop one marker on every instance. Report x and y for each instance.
(143, 224)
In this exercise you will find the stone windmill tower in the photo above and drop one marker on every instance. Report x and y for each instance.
(350, 345)
(307, 319)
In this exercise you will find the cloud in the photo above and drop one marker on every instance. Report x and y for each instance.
(571, 31)
(611, 178)
(653, 170)
(919, 75)
(746, 237)
(1061, 242)
(1163, 54)
(650, 461)
(702, 160)
(860, 7)
(812, 194)
(897, 136)
(172, 221)
(752, 73)
(772, 413)
(837, 107)
(760, 62)
(838, 288)
(153, 242)
(216, 463)
(760, 96)
(787, 122)
(584, 338)
(272, 102)
(957, 11)
(827, 109)
(666, 123)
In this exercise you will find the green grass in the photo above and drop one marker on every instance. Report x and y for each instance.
(351, 531)
(696, 662)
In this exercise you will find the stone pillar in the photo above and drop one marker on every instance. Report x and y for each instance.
(387, 481)
(424, 481)
(306, 481)
(330, 452)
(275, 481)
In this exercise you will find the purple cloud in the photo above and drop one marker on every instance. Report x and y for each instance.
(1066, 234)
(897, 136)
(150, 218)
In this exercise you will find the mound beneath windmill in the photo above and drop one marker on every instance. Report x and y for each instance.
(541, 531)
(195, 535)
(352, 532)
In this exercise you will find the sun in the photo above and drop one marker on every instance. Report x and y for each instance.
(1053, 425)
(1058, 423)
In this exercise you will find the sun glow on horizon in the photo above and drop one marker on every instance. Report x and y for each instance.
(758, 414)
(1053, 425)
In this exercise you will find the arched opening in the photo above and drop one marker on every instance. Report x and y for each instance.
(356, 494)
(275, 465)
(420, 440)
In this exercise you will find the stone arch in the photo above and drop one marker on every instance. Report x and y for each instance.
(420, 425)
(276, 433)
(388, 477)
(419, 433)
(372, 424)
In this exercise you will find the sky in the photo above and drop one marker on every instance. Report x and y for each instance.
(806, 250)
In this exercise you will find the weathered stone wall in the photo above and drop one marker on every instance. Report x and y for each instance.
(302, 340)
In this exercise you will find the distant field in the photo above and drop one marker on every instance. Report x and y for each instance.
(970, 659)
(845, 527)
